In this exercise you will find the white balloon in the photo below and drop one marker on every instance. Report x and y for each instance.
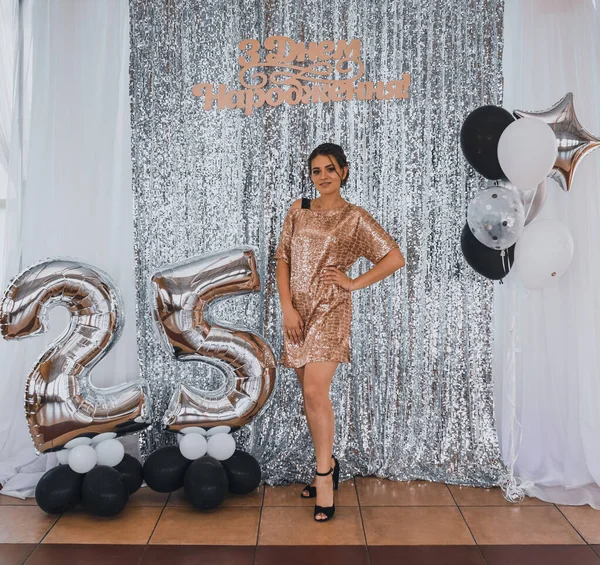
(110, 452)
(194, 430)
(221, 446)
(63, 456)
(543, 253)
(78, 441)
(193, 446)
(527, 151)
(82, 458)
(218, 430)
(103, 437)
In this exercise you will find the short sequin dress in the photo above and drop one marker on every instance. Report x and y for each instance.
(313, 239)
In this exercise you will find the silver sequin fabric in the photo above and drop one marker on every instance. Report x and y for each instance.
(416, 402)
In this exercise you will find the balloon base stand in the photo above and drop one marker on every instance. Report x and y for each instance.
(206, 481)
(102, 491)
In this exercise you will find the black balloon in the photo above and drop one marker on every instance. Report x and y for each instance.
(486, 261)
(130, 470)
(164, 470)
(479, 138)
(104, 492)
(243, 472)
(58, 490)
(205, 483)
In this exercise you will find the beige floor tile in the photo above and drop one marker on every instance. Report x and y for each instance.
(474, 496)
(24, 524)
(254, 498)
(373, 491)
(12, 501)
(585, 519)
(289, 495)
(148, 497)
(180, 525)
(415, 526)
(296, 526)
(132, 526)
(515, 526)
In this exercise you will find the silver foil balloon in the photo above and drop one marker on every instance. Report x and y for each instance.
(573, 140)
(182, 293)
(532, 200)
(496, 216)
(60, 401)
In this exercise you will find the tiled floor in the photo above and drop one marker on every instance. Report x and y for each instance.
(377, 522)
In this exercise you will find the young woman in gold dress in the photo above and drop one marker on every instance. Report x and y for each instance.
(320, 241)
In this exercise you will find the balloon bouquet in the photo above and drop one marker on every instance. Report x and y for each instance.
(518, 155)
(68, 415)
(206, 462)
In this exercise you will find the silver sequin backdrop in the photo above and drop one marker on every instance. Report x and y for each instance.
(417, 400)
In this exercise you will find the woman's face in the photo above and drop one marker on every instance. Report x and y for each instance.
(326, 174)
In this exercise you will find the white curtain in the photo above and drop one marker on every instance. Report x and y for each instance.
(9, 44)
(546, 354)
(69, 189)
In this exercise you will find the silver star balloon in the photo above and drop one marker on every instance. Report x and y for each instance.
(574, 141)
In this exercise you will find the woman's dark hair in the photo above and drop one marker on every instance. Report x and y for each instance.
(333, 150)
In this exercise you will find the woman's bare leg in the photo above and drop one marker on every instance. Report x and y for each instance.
(300, 375)
(319, 414)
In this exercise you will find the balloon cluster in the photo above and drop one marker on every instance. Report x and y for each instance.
(82, 454)
(101, 488)
(80, 422)
(518, 155)
(206, 464)
(194, 442)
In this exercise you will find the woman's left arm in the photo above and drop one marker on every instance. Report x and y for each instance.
(393, 261)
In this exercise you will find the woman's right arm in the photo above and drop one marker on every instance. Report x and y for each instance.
(292, 322)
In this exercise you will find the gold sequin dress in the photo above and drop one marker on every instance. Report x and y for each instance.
(311, 240)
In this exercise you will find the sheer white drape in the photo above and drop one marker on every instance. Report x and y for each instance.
(547, 371)
(9, 43)
(71, 195)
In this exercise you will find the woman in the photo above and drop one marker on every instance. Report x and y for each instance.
(320, 241)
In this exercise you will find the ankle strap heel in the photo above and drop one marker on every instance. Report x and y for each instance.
(311, 491)
(329, 511)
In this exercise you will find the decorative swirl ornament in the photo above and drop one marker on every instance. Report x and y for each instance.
(573, 140)
(60, 401)
(318, 72)
(182, 293)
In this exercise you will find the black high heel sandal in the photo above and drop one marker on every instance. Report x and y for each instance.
(312, 490)
(329, 511)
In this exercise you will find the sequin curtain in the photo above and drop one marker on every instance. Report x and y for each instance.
(417, 400)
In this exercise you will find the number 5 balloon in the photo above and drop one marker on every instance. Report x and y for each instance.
(60, 401)
(182, 293)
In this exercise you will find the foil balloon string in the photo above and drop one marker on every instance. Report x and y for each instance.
(60, 401)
